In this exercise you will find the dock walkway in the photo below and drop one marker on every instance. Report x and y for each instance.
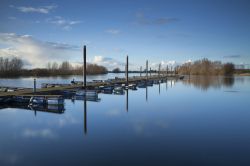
(54, 90)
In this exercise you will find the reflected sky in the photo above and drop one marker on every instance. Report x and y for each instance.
(185, 122)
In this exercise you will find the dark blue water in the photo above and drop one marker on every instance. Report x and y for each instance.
(198, 121)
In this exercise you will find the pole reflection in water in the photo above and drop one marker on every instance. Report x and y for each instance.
(159, 88)
(127, 100)
(85, 117)
(146, 93)
(166, 85)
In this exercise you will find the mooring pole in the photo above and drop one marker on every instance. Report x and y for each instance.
(159, 70)
(84, 66)
(140, 71)
(34, 89)
(147, 69)
(167, 70)
(150, 71)
(127, 70)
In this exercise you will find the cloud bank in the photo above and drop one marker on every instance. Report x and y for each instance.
(35, 53)
(108, 62)
(30, 9)
(65, 24)
(113, 31)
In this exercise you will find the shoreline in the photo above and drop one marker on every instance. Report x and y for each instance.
(242, 74)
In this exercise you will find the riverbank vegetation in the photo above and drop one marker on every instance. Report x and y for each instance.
(14, 67)
(206, 67)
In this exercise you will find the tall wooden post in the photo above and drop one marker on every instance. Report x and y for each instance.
(159, 70)
(84, 67)
(34, 89)
(127, 70)
(140, 70)
(150, 71)
(167, 70)
(147, 69)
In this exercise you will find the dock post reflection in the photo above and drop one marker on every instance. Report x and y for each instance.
(127, 100)
(85, 117)
(159, 88)
(146, 93)
(166, 85)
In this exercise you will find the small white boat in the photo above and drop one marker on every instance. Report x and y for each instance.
(55, 101)
(132, 86)
(118, 90)
(37, 100)
(86, 93)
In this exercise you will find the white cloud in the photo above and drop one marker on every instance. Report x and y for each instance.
(43, 133)
(164, 64)
(108, 62)
(30, 9)
(113, 31)
(35, 53)
(62, 22)
(188, 61)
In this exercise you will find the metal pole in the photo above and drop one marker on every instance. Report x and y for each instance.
(34, 90)
(159, 70)
(84, 66)
(140, 71)
(167, 70)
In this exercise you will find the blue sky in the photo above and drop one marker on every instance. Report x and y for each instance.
(161, 31)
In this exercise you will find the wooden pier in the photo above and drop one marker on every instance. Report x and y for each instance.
(90, 85)
(57, 90)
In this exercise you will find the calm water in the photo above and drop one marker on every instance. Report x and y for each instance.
(201, 121)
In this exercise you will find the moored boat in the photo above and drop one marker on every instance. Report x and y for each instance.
(20, 99)
(55, 101)
(37, 100)
(181, 77)
(141, 85)
(118, 90)
(107, 89)
(86, 93)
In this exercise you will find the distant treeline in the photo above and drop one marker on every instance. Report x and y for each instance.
(14, 67)
(206, 67)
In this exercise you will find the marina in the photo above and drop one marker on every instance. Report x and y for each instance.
(54, 93)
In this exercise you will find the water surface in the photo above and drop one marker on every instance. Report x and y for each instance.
(198, 121)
